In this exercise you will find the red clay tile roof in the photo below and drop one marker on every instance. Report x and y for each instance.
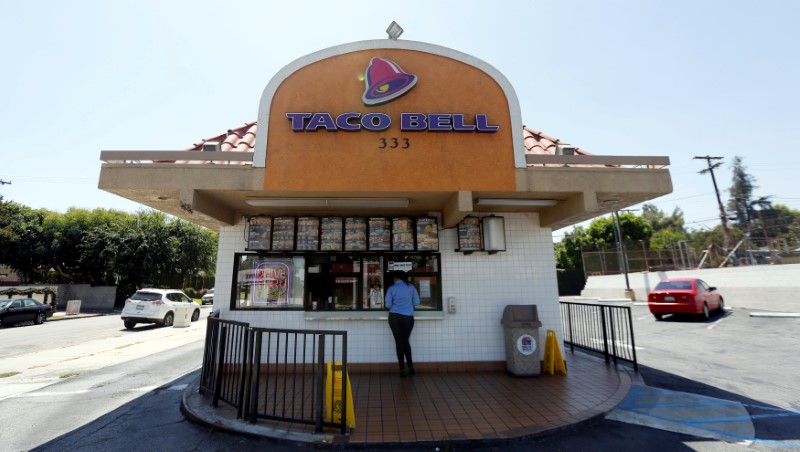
(242, 139)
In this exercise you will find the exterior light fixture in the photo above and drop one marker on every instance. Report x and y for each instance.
(509, 202)
(494, 234)
(333, 202)
(394, 31)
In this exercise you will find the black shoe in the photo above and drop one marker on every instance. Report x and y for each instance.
(411, 371)
(403, 373)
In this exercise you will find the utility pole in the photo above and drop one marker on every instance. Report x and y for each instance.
(623, 257)
(724, 218)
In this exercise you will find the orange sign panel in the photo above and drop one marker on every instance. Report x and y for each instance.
(389, 120)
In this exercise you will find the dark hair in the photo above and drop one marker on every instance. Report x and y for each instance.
(401, 275)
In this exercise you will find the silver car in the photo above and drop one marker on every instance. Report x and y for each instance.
(155, 306)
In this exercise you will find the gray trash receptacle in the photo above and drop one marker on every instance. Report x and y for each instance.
(521, 330)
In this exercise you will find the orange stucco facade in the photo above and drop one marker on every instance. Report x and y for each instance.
(349, 161)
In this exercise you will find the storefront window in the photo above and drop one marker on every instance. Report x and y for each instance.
(423, 273)
(331, 282)
(268, 282)
(359, 282)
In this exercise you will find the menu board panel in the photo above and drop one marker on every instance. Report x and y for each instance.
(307, 234)
(283, 234)
(379, 234)
(355, 234)
(427, 234)
(331, 234)
(402, 234)
(260, 233)
(469, 234)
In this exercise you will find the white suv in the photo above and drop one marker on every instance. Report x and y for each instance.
(155, 306)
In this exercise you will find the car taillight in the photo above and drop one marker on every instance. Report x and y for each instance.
(52, 308)
(158, 302)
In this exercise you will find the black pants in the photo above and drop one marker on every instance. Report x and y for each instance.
(401, 326)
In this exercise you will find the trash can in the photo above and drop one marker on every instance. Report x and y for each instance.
(521, 330)
(182, 315)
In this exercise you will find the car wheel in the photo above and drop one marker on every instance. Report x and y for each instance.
(39, 318)
(129, 324)
(658, 316)
(706, 314)
(167, 320)
(721, 305)
(195, 315)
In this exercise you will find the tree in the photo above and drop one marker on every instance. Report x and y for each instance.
(104, 247)
(667, 230)
(600, 234)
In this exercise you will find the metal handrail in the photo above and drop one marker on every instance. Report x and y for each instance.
(601, 328)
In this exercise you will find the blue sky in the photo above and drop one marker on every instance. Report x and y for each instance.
(678, 79)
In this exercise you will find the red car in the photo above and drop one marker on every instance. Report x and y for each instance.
(684, 296)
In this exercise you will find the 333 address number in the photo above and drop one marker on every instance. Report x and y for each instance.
(394, 143)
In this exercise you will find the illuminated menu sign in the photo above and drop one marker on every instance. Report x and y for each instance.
(379, 234)
(469, 234)
(307, 234)
(260, 233)
(331, 234)
(402, 234)
(355, 234)
(427, 234)
(283, 234)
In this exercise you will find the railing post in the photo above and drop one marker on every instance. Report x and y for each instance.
(633, 340)
(611, 313)
(605, 336)
(244, 368)
(256, 379)
(571, 337)
(220, 365)
(320, 375)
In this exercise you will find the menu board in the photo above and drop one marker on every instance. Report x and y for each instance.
(283, 234)
(427, 234)
(355, 234)
(260, 233)
(307, 234)
(402, 234)
(379, 234)
(469, 234)
(331, 234)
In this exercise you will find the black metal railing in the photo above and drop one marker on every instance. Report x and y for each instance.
(289, 372)
(224, 367)
(602, 328)
(277, 374)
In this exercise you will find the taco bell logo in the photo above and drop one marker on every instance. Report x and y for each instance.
(385, 81)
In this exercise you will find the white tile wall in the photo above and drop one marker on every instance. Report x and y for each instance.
(482, 284)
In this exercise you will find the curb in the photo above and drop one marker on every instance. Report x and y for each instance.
(776, 314)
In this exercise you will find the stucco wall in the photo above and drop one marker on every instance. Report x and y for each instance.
(483, 285)
(768, 287)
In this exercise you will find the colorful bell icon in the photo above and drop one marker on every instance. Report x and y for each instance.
(386, 81)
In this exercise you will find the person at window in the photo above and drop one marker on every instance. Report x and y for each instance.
(375, 297)
(400, 300)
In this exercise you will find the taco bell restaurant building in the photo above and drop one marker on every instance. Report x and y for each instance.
(378, 156)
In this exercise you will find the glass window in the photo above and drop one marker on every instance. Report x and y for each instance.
(423, 273)
(268, 282)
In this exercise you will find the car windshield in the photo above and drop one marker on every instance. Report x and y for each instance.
(146, 296)
(674, 285)
(211, 292)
